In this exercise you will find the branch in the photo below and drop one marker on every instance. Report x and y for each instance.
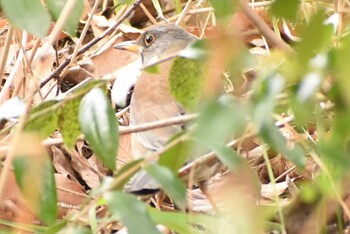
(92, 42)
(263, 28)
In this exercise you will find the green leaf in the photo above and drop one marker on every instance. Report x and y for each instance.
(340, 70)
(130, 169)
(131, 212)
(308, 47)
(285, 8)
(35, 177)
(43, 119)
(98, 123)
(56, 7)
(271, 135)
(218, 122)
(224, 9)
(57, 227)
(69, 122)
(175, 157)
(180, 222)
(186, 79)
(29, 15)
(170, 183)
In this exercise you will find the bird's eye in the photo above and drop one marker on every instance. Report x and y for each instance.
(148, 39)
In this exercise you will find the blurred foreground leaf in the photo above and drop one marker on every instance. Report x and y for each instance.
(56, 7)
(29, 15)
(44, 118)
(218, 123)
(276, 140)
(131, 212)
(69, 122)
(223, 8)
(285, 8)
(180, 222)
(175, 157)
(98, 123)
(170, 183)
(34, 175)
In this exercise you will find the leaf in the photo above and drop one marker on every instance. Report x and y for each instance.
(170, 183)
(29, 15)
(309, 46)
(285, 8)
(180, 222)
(175, 157)
(129, 169)
(340, 70)
(271, 86)
(186, 79)
(34, 176)
(276, 140)
(131, 212)
(98, 123)
(69, 122)
(56, 227)
(219, 121)
(56, 7)
(43, 119)
(223, 8)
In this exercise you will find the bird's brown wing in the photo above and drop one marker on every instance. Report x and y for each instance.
(155, 139)
(152, 101)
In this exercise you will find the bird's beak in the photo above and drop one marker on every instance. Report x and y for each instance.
(128, 45)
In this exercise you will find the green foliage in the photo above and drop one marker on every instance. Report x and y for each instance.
(44, 119)
(180, 222)
(170, 183)
(126, 172)
(33, 17)
(219, 121)
(131, 212)
(35, 178)
(285, 8)
(69, 122)
(175, 157)
(29, 15)
(98, 123)
(224, 9)
(308, 47)
(56, 6)
(51, 115)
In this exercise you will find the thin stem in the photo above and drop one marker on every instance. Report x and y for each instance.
(5, 52)
(92, 43)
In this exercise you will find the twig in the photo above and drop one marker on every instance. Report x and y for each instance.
(5, 52)
(92, 42)
(157, 124)
(149, 15)
(15, 68)
(123, 130)
(263, 28)
(184, 12)
(83, 33)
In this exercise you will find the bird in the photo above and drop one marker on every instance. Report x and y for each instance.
(151, 99)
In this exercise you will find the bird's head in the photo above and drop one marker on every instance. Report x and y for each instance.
(159, 42)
